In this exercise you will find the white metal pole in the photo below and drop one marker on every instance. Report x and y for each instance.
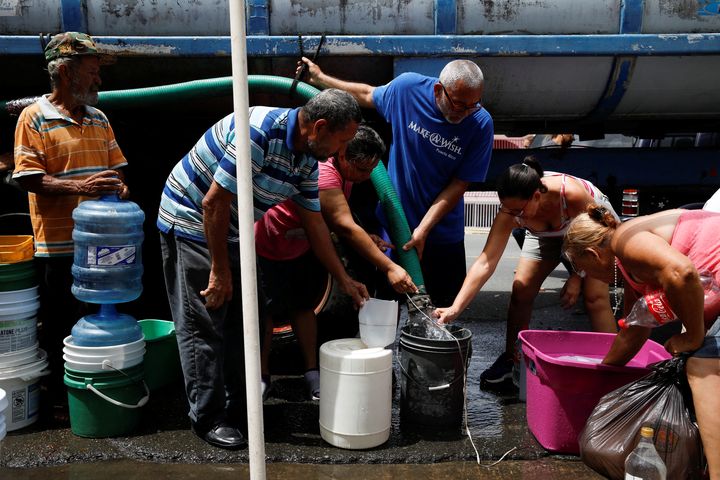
(256, 436)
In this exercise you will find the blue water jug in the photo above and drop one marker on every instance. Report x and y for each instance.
(108, 237)
(107, 327)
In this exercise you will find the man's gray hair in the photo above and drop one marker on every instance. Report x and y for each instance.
(462, 70)
(53, 68)
(339, 108)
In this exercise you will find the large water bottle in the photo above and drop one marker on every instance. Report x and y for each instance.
(107, 327)
(108, 237)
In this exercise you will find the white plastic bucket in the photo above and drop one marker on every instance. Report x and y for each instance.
(356, 386)
(18, 295)
(19, 357)
(3, 403)
(19, 310)
(17, 334)
(99, 364)
(70, 347)
(3, 407)
(378, 322)
(21, 386)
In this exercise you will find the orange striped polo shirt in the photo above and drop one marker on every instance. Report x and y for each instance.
(48, 142)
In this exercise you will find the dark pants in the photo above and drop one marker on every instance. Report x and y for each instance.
(210, 341)
(443, 267)
(59, 311)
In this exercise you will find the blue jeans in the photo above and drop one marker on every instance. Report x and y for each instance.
(210, 341)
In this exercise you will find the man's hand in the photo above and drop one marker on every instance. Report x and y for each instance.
(101, 183)
(417, 240)
(356, 290)
(400, 280)
(314, 72)
(381, 244)
(219, 289)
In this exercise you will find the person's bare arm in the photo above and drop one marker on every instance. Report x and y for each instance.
(361, 91)
(216, 222)
(338, 217)
(321, 243)
(107, 181)
(482, 269)
(445, 201)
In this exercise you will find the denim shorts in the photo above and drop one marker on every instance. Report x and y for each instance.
(711, 345)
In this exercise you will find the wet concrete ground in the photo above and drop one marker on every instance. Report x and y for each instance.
(164, 445)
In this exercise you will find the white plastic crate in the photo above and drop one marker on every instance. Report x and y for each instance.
(480, 209)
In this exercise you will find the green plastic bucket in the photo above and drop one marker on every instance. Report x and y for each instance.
(105, 404)
(17, 276)
(162, 359)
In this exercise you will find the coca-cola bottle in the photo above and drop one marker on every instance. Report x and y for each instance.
(653, 309)
(644, 463)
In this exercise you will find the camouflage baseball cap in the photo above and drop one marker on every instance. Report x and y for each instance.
(70, 44)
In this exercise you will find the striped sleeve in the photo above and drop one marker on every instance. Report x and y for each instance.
(29, 147)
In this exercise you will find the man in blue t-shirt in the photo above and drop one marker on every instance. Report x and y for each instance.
(442, 141)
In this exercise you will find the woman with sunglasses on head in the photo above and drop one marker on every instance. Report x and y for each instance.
(665, 251)
(543, 203)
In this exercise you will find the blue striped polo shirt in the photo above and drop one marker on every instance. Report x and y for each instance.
(278, 173)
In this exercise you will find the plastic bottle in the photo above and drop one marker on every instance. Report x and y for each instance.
(653, 309)
(108, 236)
(107, 327)
(644, 463)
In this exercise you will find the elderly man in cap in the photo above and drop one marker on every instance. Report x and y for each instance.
(65, 152)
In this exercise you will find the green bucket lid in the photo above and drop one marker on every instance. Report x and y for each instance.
(156, 330)
(17, 276)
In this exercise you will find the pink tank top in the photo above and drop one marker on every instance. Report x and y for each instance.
(697, 236)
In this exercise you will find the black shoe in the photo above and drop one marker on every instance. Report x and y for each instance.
(222, 436)
(500, 371)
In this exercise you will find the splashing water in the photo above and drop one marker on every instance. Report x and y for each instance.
(420, 322)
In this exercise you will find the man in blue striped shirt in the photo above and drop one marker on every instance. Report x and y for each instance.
(199, 239)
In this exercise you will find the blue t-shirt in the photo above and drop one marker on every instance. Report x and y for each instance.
(427, 151)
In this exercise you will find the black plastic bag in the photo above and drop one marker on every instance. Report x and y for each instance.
(659, 400)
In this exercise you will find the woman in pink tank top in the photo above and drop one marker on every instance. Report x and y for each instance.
(666, 250)
(543, 203)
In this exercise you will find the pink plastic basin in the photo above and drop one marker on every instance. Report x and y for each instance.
(562, 391)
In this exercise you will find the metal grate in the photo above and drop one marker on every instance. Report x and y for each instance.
(480, 209)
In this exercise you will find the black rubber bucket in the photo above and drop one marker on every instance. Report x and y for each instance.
(433, 377)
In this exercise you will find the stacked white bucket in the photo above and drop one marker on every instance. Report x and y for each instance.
(356, 381)
(3, 408)
(22, 363)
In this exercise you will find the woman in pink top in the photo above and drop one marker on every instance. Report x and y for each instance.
(667, 250)
(543, 203)
(287, 265)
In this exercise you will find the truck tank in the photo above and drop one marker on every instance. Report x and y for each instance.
(581, 65)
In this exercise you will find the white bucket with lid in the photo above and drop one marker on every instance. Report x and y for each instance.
(102, 363)
(3, 407)
(19, 295)
(378, 322)
(71, 348)
(3, 403)
(20, 384)
(19, 310)
(17, 334)
(356, 394)
(19, 357)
